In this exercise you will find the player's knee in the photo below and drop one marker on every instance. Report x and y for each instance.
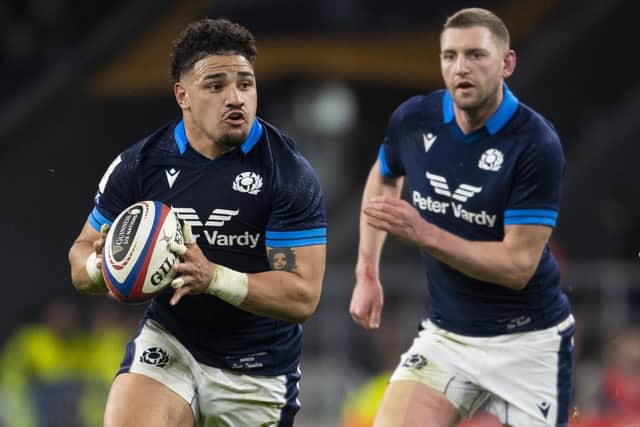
(155, 404)
(409, 403)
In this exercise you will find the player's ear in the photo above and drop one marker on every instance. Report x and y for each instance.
(182, 96)
(509, 63)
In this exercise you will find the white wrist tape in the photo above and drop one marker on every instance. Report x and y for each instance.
(229, 285)
(94, 271)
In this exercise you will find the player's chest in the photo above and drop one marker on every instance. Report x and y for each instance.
(226, 207)
(453, 181)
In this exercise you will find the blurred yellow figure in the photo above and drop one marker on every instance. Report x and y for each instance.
(361, 404)
(104, 344)
(39, 379)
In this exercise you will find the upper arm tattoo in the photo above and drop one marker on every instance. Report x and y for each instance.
(282, 258)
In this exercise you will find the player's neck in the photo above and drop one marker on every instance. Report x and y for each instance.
(473, 119)
(200, 142)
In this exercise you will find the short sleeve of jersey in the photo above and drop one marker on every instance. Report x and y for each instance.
(535, 197)
(298, 216)
(116, 191)
(389, 157)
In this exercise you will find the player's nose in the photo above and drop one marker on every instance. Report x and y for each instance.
(234, 96)
(461, 66)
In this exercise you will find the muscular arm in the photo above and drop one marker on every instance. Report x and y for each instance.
(291, 293)
(88, 241)
(367, 298)
(510, 262)
(372, 239)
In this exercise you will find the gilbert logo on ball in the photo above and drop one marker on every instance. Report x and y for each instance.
(136, 257)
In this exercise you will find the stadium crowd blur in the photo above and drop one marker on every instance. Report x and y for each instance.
(82, 81)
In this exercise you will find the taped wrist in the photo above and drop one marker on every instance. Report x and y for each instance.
(93, 270)
(229, 285)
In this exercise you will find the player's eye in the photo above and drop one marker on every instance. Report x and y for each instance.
(246, 84)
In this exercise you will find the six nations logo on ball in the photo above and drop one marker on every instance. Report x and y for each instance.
(248, 182)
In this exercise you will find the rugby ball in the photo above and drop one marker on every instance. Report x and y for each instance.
(136, 260)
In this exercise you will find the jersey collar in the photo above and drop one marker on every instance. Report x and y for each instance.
(497, 121)
(180, 135)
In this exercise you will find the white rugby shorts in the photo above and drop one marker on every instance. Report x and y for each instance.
(522, 378)
(217, 396)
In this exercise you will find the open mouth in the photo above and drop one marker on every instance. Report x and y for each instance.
(235, 118)
(464, 85)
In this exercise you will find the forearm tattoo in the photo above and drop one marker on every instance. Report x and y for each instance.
(282, 258)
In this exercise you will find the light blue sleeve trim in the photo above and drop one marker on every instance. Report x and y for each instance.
(384, 167)
(96, 219)
(286, 239)
(532, 220)
(296, 243)
(312, 232)
(547, 213)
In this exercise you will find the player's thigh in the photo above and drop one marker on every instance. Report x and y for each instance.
(529, 376)
(236, 399)
(413, 404)
(140, 401)
(156, 368)
(435, 362)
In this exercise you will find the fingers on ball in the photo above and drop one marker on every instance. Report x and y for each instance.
(177, 283)
(188, 234)
(177, 248)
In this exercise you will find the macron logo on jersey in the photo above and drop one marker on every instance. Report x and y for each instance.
(217, 218)
(172, 175)
(462, 194)
(428, 140)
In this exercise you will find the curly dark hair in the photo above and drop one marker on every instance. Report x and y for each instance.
(210, 37)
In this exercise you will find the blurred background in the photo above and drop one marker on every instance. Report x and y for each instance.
(83, 80)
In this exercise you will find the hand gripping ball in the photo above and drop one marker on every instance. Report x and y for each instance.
(136, 260)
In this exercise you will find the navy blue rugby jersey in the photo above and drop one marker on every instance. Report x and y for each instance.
(508, 172)
(262, 194)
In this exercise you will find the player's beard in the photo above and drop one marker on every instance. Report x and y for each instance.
(480, 101)
(233, 139)
(471, 104)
